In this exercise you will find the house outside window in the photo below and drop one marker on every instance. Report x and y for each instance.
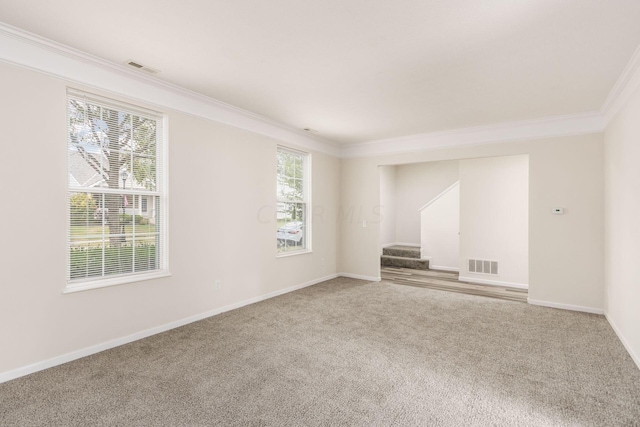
(293, 198)
(116, 169)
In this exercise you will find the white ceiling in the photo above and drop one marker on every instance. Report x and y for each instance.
(362, 70)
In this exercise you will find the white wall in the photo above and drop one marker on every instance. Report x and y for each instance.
(565, 252)
(440, 230)
(622, 224)
(494, 210)
(416, 184)
(222, 226)
(38, 322)
(387, 205)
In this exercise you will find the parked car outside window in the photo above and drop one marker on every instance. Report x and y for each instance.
(291, 233)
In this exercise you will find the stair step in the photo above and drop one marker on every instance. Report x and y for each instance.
(399, 261)
(402, 251)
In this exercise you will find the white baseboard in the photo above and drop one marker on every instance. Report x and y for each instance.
(358, 276)
(59, 360)
(387, 245)
(626, 345)
(440, 267)
(414, 245)
(493, 282)
(565, 306)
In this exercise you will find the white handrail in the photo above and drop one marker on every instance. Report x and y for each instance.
(439, 195)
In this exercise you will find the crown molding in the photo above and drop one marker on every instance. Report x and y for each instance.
(576, 124)
(592, 122)
(19, 47)
(626, 84)
(28, 50)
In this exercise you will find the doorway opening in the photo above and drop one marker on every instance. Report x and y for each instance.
(458, 225)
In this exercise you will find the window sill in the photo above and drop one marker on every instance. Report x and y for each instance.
(113, 281)
(293, 253)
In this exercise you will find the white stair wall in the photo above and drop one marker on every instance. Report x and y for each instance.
(439, 230)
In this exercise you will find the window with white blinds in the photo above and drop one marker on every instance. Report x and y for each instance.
(293, 196)
(116, 207)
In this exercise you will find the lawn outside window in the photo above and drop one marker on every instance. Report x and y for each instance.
(116, 193)
(293, 235)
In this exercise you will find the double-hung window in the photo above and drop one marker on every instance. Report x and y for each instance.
(117, 230)
(293, 198)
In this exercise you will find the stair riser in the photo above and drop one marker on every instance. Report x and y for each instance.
(407, 253)
(416, 264)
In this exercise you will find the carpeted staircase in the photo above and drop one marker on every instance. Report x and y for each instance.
(403, 256)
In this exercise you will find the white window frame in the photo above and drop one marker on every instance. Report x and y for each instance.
(306, 177)
(162, 193)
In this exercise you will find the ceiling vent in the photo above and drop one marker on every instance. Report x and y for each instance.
(139, 66)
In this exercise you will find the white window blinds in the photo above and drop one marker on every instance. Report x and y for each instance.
(293, 196)
(116, 218)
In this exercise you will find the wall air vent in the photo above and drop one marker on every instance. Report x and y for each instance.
(482, 266)
(139, 66)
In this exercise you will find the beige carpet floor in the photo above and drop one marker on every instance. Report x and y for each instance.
(349, 353)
